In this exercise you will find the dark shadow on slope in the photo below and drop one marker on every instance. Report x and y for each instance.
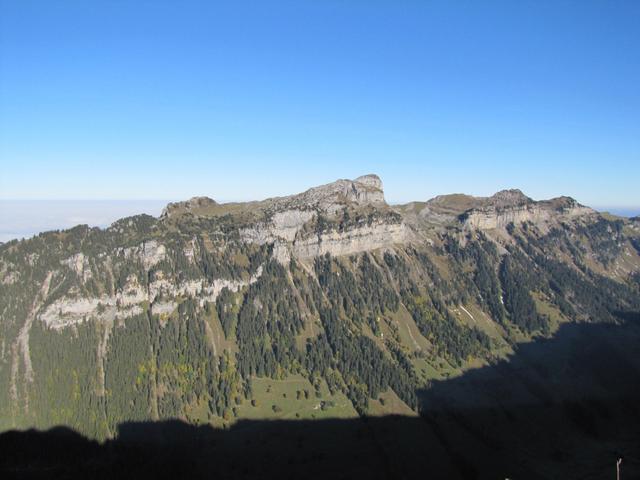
(564, 407)
(559, 408)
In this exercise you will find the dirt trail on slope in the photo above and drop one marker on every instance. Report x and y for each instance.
(467, 312)
(21, 346)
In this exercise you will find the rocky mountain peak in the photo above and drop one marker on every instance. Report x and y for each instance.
(372, 180)
(513, 206)
(564, 203)
(509, 198)
(364, 190)
(191, 205)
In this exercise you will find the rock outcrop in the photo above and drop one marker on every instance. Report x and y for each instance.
(512, 206)
(329, 198)
(128, 302)
(360, 239)
(191, 205)
(286, 227)
(292, 240)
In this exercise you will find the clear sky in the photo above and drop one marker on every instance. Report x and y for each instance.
(171, 99)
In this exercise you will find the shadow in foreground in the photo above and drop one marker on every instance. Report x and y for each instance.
(566, 407)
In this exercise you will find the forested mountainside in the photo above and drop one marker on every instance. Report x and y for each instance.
(326, 304)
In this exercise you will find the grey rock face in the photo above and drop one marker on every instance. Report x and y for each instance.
(71, 309)
(371, 180)
(365, 190)
(356, 240)
(508, 199)
(286, 226)
(512, 206)
(287, 235)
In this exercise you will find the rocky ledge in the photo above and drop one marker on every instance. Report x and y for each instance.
(512, 206)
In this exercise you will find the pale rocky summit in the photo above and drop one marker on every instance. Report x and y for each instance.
(286, 227)
(513, 207)
(508, 199)
(364, 190)
(498, 211)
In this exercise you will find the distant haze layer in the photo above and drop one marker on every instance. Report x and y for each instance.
(25, 218)
(622, 211)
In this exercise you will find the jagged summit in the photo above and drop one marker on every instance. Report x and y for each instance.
(458, 203)
(364, 190)
(512, 206)
(370, 179)
(366, 193)
(508, 198)
(499, 210)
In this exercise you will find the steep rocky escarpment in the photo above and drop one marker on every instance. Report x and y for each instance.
(340, 218)
(497, 212)
(513, 207)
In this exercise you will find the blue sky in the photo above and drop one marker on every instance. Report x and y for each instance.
(245, 100)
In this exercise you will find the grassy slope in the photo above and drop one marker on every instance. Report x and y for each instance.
(284, 394)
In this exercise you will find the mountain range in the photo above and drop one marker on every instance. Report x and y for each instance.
(328, 304)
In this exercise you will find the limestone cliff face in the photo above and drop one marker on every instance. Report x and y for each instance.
(364, 190)
(290, 238)
(288, 228)
(284, 225)
(161, 295)
(361, 239)
(487, 219)
(512, 206)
